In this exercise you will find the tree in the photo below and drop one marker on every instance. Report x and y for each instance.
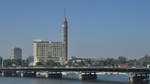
(24, 63)
(122, 60)
(132, 62)
(49, 63)
(7, 63)
(97, 63)
(109, 62)
(15, 63)
(144, 60)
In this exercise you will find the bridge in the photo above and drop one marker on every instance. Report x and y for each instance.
(135, 74)
(76, 69)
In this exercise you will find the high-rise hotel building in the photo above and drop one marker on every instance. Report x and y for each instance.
(16, 53)
(49, 50)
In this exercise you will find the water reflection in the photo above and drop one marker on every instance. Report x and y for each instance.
(140, 82)
(67, 81)
(63, 81)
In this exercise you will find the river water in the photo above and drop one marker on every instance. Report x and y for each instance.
(111, 79)
(51, 81)
(103, 79)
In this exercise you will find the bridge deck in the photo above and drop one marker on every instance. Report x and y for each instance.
(143, 70)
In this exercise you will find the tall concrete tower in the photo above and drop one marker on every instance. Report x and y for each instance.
(65, 36)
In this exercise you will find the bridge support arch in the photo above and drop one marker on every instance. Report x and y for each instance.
(87, 76)
(1, 73)
(54, 75)
(9, 74)
(28, 74)
(138, 78)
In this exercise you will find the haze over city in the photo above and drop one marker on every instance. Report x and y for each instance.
(96, 28)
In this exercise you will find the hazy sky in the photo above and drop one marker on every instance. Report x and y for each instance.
(97, 28)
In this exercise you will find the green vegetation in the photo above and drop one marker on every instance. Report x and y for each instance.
(111, 62)
(14, 63)
(82, 62)
(50, 63)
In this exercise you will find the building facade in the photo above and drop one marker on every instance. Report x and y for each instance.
(16, 53)
(48, 50)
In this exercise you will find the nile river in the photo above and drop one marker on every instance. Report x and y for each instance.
(105, 79)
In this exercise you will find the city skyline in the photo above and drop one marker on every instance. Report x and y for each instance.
(107, 29)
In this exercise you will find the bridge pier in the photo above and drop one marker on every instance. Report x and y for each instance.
(28, 74)
(9, 74)
(88, 76)
(20, 74)
(1, 74)
(17, 74)
(54, 75)
(138, 78)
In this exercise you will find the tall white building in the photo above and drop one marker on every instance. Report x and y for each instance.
(48, 50)
(16, 53)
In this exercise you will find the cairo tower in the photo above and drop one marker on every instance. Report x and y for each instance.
(43, 51)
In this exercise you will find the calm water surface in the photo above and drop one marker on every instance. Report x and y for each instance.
(102, 80)
(50, 81)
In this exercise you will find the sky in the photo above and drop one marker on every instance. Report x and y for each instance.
(97, 28)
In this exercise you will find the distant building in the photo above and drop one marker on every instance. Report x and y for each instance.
(30, 59)
(47, 50)
(16, 53)
(75, 59)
